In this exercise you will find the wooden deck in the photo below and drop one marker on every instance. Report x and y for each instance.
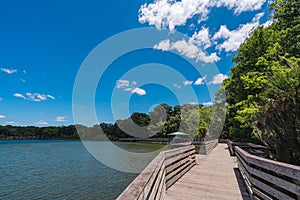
(215, 176)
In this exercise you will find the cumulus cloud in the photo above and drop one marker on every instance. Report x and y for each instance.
(208, 103)
(200, 81)
(19, 95)
(176, 85)
(223, 39)
(139, 91)
(130, 86)
(187, 82)
(163, 45)
(167, 13)
(60, 119)
(10, 123)
(122, 83)
(170, 13)
(41, 122)
(218, 79)
(233, 39)
(239, 6)
(202, 38)
(188, 49)
(2, 116)
(8, 71)
(35, 97)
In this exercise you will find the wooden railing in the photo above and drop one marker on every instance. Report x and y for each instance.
(205, 147)
(268, 179)
(147, 140)
(208, 146)
(253, 149)
(163, 171)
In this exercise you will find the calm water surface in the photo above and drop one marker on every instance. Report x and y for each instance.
(59, 170)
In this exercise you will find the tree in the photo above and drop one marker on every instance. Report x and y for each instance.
(263, 90)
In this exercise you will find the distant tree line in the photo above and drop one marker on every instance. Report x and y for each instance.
(33, 132)
(164, 119)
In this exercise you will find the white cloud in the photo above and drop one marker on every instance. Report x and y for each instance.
(60, 119)
(24, 81)
(171, 13)
(193, 103)
(10, 123)
(202, 38)
(188, 49)
(2, 116)
(50, 96)
(187, 82)
(240, 6)
(200, 81)
(130, 86)
(19, 95)
(233, 39)
(163, 45)
(8, 71)
(224, 39)
(125, 83)
(167, 13)
(35, 97)
(176, 85)
(41, 122)
(129, 89)
(208, 103)
(139, 91)
(218, 79)
(122, 83)
(267, 23)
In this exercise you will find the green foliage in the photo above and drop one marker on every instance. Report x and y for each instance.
(31, 132)
(287, 18)
(191, 119)
(164, 119)
(263, 90)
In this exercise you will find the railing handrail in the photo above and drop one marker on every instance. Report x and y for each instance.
(268, 179)
(285, 169)
(167, 167)
(254, 148)
(208, 146)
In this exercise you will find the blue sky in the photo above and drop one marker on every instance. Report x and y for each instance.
(44, 43)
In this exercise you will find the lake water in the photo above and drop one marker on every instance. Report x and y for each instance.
(59, 170)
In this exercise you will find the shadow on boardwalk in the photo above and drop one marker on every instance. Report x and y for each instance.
(215, 176)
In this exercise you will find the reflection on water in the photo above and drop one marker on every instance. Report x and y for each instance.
(58, 170)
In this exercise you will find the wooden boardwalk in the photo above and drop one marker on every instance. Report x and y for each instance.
(215, 176)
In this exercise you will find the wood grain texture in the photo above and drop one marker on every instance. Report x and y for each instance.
(214, 177)
(269, 178)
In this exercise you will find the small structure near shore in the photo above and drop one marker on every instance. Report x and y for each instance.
(179, 139)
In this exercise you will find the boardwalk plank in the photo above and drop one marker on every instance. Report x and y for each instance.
(213, 178)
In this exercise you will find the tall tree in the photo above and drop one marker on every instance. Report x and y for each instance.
(263, 90)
